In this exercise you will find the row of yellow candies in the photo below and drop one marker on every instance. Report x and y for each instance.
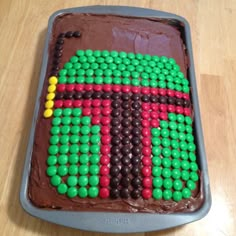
(50, 96)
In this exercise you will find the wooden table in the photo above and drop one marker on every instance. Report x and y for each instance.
(23, 24)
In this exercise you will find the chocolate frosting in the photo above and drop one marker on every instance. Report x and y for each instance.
(105, 32)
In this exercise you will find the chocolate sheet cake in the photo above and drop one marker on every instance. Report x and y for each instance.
(114, 130)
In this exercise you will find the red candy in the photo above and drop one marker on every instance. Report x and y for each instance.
(97, 87)
(96, 111)
(105, 130)
(105, 120)
(105, 160)
(106, 111)
(104, 170)
(147, 182)
(106, 139)
(79, 87)
(187, 112)
(147, 193)
(171, 108)
(146, 171)
(145, 106)
(146, 151)
(70, 87)
(145, 123)
(163, 116)
(163, 107)
(126, 89)
(178, 94)
(146, 132)
(104, 181)
(88, 87)
(104, 193)
(106, 103)
(154, 123)
(145, 115)
(61, 87)
(96, 120)
(170, 93)
(105, 149)
(135, 89)
(58, 103)
(145, 90)
(162, 91)
(67, 103)
(186, 96)
(96, 102)
(107, 87)
(86, 111)
(116, 88)
(154, 91)
(146, 142)
(146, 161)
(87, 103)
(154, 106)
(77, 103)
(179, 110)
(154, 115)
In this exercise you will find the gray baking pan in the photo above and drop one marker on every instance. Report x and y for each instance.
(121, 222)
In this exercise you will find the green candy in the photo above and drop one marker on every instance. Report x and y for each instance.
(193, 166)
(174, 134)
(72, 181)
(156, 161)
(174, 144)
(165, 133)
(167, 194)
(73, 159)
(186, 193)
(94, 149)
(64, 139)
(72, 192)
(94, 159)
(73, 170)
(86, 120)
(172, 117)
(84, 159)
(185, 175)
(62, 159)
(157, 182)
(156, 151)
(177, 185)
(83, 192)
(74, 139)
(62, 188)
(52, 160)
(194, 176)
(57, 112)
(93, 192)
(192, 156)
(55, 180)
(166, 152)
(84, 139)
(183, 146)
(175, 153)
(155, 132)
(67, 112)
(94, 169)
(165, 142)
(185, 165)
(172, 125)
(56, 121)
(156, 141)
(74, 148)
(191, 185)
(53, 150)
(84, 148)
(66, 120)
(95, 129)
(156, 171)
(182, 136)
(55, 130)
(157, 194)
(54, 139)
(166, 162)
(191, 147)
(177, 196)
(175, 163)
(51, 170)
(83, 170)
(94, 139)
(63, 149)
(166, 173)
(62, 170)
(65, 129)
(83, 181)
(93, 180)
(176, 174)
(167, 183)
(85, 130)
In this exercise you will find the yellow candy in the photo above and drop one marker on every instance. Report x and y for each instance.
(50, 96)
(53, 80)
(48, 113)
(51, 88)
(49, 104)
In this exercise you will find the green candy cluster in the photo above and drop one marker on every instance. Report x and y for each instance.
(174, 162)
(104, 67)
(73, 161)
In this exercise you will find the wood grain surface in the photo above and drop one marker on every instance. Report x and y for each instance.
(22, 33)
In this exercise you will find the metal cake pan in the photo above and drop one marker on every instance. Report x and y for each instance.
(121, 222)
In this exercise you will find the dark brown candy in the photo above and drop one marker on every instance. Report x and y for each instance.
(186, 103)
(136, 141)
(125, 96)
(136, 160)
(154, 98)
(115, 104)
(77, 34)
(114, 182)
(125, 105)
(125, 160)
(136, 193)
(115, 112)
(125, 150)
(114, 193)
(115, 140)
(125, 140)
(115, 159)
(106, 95)
(136, 182)
(96, 95)
(125, 181)
(115, 96)
(162, 99)
(114, 131)
(135, 170)
(124, 192)
(68, 95)
(61, 35)
(125, 122)
(135, 97)
(115, 122)
(145, 98)
(136, 150)
(125, 170)
(126, 113)
(59, 96)
(78, 95)
(171, 100)
(87, 94)
(114, 171)
(136, 105)
(125, 132)
(179, 102)
(136, 131)
(69, 34)
(136, 122)
(60, 41)
(136, 114)
(115, 150)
